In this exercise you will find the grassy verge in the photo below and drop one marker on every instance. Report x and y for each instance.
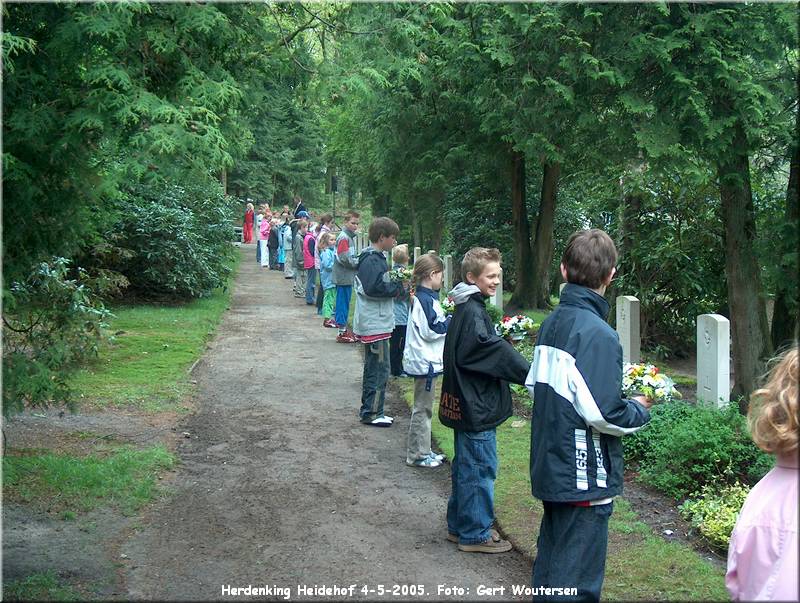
(640, 565)
(39, 587)
(67, 484)
(145, 366)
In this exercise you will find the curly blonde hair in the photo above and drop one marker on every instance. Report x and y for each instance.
(773, 412)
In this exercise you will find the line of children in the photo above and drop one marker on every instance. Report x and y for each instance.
(344, 272)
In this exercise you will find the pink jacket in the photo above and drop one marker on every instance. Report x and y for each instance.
(308, 257)
(762, 555)
(322, 231)
(264, 230)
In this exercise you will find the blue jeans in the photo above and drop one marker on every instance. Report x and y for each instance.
(571, 550)
(343, 293)
(311, 282)
(470, 510)
(373, 383)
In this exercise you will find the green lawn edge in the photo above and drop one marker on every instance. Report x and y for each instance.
(640, 565)
(145, 366)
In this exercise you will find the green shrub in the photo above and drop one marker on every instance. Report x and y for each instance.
(687, 446)
(178, 240)
(713, 511)
(50, 324)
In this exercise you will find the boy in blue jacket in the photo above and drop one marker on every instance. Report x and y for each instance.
(373, 320)
(579, 416)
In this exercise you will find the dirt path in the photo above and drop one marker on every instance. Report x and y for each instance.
(279, 485)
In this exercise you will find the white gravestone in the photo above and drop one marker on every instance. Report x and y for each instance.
(561, 288)
(448, 273)
(497, 298)
(628, 328)
(713, 359)
(417, 253)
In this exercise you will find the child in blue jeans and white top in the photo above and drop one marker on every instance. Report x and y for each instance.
(422, 358)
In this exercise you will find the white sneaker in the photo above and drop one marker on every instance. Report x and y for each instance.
(428, 462)
(379, 422)
(435, 456)
(388, 418)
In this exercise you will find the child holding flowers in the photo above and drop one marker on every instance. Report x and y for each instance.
(401, 308)
(579, 416)
(422, 358)
(762, 555)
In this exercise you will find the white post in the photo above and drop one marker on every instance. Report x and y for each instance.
(448, 273)
(713, 359)
(628, 328)
(561, 289)
(497, 298)
(417, 253)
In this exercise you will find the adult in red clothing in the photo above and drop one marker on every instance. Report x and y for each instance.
(247, 229)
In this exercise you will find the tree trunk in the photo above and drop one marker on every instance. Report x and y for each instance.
(349, 197)
(543, 244)
(223, 178)
(750, 340)
(523, 258)
(785, 324)
(628, 245)
(438, 223)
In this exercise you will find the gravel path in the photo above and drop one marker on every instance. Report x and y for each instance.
(280, 486)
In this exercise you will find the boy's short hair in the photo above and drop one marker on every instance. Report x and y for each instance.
(351, 214)
(302, 223)
(475, 260)
(400, 254)
(589, 257)
(382, 226)
(325, 219)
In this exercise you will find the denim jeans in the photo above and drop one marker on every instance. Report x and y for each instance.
(373, 383)
(571, 550)
(396, 347)
(470, 510)
(311, 282)
(343, 293)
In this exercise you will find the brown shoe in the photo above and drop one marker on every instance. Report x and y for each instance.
(454, 537)
(493, 544)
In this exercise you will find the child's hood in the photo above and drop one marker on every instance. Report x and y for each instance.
(367, 251)
(462, 292)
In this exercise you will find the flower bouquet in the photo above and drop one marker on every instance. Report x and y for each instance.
(646, 380)
(448, 306)
(515, 328)
(398, 273)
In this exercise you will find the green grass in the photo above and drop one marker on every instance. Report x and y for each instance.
(39, 587)
(146, 364)
(640, 565)
(67, 484)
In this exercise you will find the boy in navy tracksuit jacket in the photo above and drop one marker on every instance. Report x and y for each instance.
(579, 416)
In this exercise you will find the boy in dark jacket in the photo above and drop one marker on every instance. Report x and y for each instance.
(475, 399)
(579, 415)
(373, 320)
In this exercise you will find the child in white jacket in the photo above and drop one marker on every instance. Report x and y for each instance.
(422, 358)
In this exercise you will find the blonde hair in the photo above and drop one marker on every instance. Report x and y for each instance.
(773, 412)
(325, 240)
(475, 260)
(425, 265)
(400, 254)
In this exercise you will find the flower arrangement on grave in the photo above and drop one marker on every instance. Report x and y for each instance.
(647, 380)
(448, 306)
(515, 327)
(398, 273)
